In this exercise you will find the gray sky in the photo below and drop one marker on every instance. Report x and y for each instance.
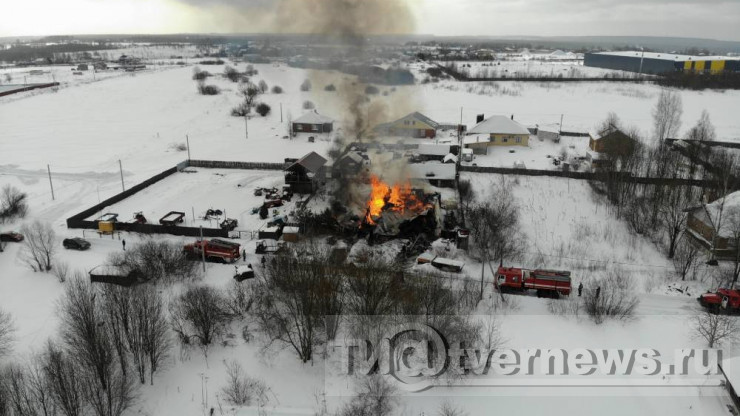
(682, 18)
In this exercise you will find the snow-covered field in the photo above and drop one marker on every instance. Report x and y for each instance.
(82, 132)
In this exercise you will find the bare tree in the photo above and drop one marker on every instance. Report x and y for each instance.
(288, 305)
(7, 333)
(88, 336)
(13, 203)
(200, 315)
(494, 230)
(242, 390)
(263, 86)
(686, 258)
(39, 245)
(732, 225)
(64, 380)
(667, 115)
(249, 92)
(715, 328)
(673, 216)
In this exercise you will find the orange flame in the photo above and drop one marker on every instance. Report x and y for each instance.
(399, 198)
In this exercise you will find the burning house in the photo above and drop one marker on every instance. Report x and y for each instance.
(401, 211)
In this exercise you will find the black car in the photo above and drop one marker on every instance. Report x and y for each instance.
(11, 236)
(76, 243)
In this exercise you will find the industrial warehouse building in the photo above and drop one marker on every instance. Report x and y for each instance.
(658, 62)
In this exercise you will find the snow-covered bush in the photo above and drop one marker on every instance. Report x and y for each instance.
(611, 297)
(204, 89)
(276, 89)
(374, 397)
(263, 109)
(156, 260)
(306, 86)
(330, 88)
(241, 389)
(263, 86)
(308, 105)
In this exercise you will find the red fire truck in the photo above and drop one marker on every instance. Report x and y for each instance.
(547, 283)
(215, 250)
(727, 300)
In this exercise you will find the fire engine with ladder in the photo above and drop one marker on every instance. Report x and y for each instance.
(547, 283)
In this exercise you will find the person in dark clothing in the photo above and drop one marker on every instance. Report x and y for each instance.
(123, 243)
(263, 260)
(580, 289)
(244, 255)
(598, 291)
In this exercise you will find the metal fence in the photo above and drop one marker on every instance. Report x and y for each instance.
(80, 221)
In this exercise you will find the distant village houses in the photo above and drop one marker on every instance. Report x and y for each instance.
(313, 122)
(608, 144)
(414, 125)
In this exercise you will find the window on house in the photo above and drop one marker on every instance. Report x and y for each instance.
(518, 139)
(299, 127)
(314, 127)
(506, 140)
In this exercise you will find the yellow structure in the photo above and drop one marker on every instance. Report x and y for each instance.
(106, 227)
(496, 131)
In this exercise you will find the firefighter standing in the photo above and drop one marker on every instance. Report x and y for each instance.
(580, 289)
(598, 291)
(244, 255)
(123, 243)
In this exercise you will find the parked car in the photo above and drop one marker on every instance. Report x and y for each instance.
(76, 243)
(11, 236)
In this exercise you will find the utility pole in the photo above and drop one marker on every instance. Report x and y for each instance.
(51, 185)
(641, 59)
(187, 143)
(561, 125)
(120, 167)
(281, 112)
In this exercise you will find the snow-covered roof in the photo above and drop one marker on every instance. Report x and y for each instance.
(312, 162)
(731, 368)
(313, 117)
(477, 138)
(730, 213)
(498, 125)
(434, 149)
(668, 56)
(450, 158)
(432, 171)
(290, 230)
